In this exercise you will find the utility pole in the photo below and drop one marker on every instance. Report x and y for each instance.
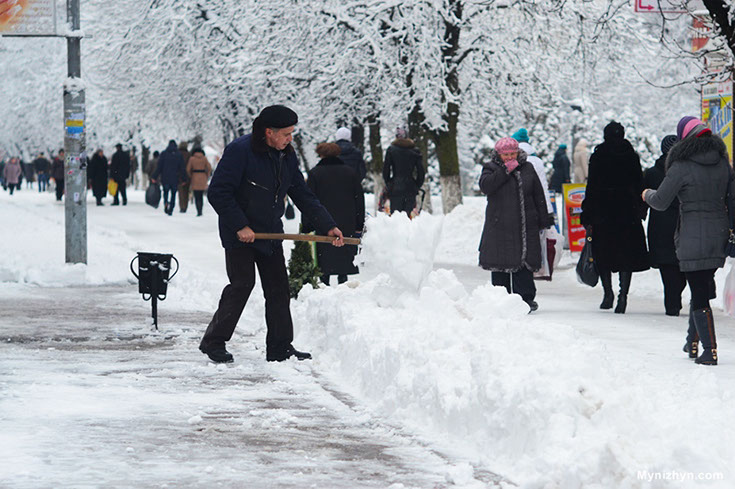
(75, 163)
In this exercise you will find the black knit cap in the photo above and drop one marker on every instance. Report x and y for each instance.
(614, 131)
(668, 142)
(278, 117)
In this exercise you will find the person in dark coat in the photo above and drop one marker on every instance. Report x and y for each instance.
(699, 174)
(661, 229)
(42, 167)
(338, 188)
(248, 191)
(172, 171)
(350, 155)
(515, 214)
(120, 171)
(403, 173)
(561, 166)
(184, 184)
(57, 173)
(97, 175)
(612, 211)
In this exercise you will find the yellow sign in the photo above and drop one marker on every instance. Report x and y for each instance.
(27, 17)
(717, 111)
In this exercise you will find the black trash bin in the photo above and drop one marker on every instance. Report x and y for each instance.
(154, 274)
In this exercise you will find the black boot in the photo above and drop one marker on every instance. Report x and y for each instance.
(692, 345)
(217, 353)
(608, 298)
(705, 324)
(625, 278)
(288, 352)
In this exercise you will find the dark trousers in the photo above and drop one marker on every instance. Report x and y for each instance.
(11, 187)
(183, 196)
(402, 203)
(169, 198)
(240, 263)
(701, 285)
(340, 279)
(674, 282)
(121, 192)
(199, 201)
(59, 189)
(520, 282)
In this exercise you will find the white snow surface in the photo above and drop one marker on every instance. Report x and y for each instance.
(566, 397)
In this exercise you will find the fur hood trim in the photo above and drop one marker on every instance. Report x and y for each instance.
(705, 150)
(404, 143)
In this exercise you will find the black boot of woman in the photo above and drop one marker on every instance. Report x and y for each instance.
(705, 323)
(625, 278)
(608, 298)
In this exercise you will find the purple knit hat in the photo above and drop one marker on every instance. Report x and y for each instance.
(686, 124)
(506, 145)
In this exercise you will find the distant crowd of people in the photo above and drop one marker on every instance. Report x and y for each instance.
(41, 170)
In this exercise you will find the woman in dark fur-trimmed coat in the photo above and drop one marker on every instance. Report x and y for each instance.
(612, 212)
(515, 214)
(699, 174)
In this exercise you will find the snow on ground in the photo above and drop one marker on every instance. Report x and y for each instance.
(567, 397)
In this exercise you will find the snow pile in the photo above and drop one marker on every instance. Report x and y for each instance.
(532, 399)
(401, 248)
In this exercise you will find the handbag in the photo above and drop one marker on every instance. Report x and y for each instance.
(586, 270)
(153, 195)
(112, 187)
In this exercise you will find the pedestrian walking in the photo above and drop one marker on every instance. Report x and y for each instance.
(150, 167)
(12, 174)
(661, 230)
(515, 214)
(119, 172)
(97, 175)
(28, 174)
(248, 191)
(612, 212)
(42, 166)
(57, 173)
(184, 183)
(337, 186)
(699, 174)
(198, 169)
(349, 154)
(403, 173)
(581, 159)
(171, 170)
(561, 166)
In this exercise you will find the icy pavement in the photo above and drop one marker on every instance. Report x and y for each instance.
(91, 397)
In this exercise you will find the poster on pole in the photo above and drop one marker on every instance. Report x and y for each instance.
(27, 17)
(573, 197)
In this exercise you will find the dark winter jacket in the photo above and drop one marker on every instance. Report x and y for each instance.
(515, 214)
(613, 207)
(57, 169)
(97, 175)
(28, 171)
(352, 157)
(41, 165)
(698, 173)
(170, 167)
(120, 166)
(403, 169)
(661, 224)
(561, 166)
(338, 188)
(249, 187)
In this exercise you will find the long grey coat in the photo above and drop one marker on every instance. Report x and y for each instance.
(698, 173)
(515, 213)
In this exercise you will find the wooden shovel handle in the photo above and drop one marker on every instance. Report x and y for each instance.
(306, 237)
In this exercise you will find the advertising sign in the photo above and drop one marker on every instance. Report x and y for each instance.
(27, 17)
(573, 197)
(717, 111)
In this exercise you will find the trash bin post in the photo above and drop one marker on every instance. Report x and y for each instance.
(153, 278)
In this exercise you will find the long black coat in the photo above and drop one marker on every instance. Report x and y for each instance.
(661, 224)
(120, 166)
(613, 207)
(699, 174)
(337, 186)
(249, 187)
(561, 166)
(403, 169)
(97, 175)
(515, 214)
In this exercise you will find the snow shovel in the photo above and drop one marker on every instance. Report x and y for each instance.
(305, 237)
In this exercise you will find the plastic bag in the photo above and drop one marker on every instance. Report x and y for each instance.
(153, 195)
(586, 271)
(728, 296)
(112, 187)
